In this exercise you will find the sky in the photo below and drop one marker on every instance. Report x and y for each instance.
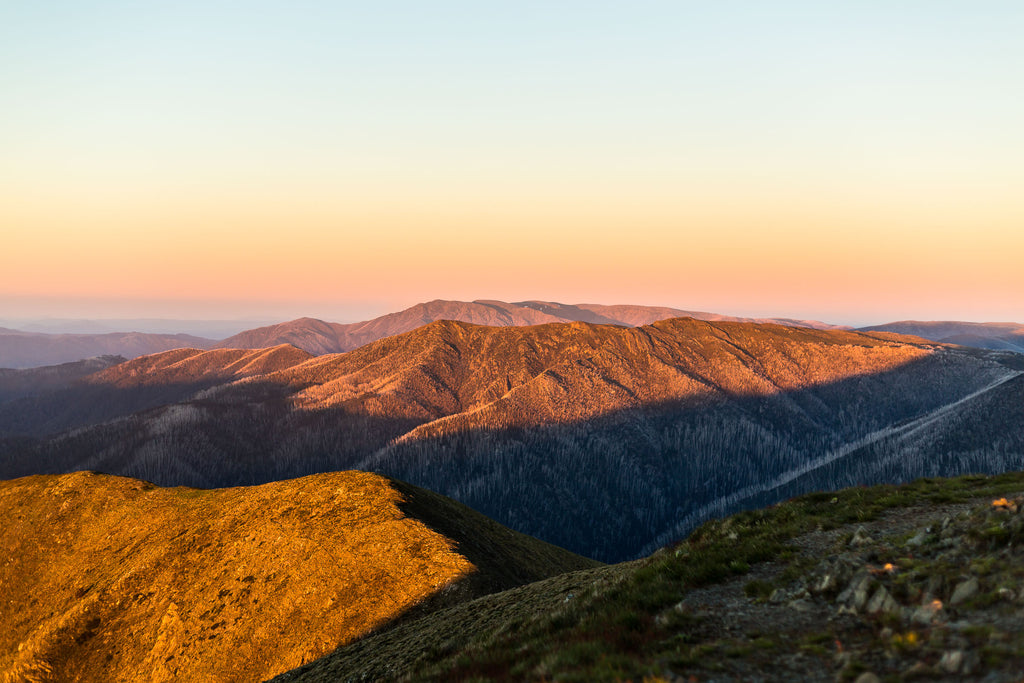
(855, 162)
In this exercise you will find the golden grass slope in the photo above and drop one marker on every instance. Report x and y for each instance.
(114, 579)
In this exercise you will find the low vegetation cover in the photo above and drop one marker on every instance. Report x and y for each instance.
(919, 580)
(106, 578)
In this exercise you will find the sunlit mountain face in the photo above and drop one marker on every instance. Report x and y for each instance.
(318, 337)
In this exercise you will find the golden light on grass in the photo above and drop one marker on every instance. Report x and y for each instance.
(110, 577)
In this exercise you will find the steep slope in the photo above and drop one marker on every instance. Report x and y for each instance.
(26, 350)
(942, 443)
(913, 582)
(319, 337)
(113, 579)
(1001, 336)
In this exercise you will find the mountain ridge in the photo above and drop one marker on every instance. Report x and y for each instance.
(320, 337)
(109, 578)
(1000, 336)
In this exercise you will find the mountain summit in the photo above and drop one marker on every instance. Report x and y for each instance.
(319, 337)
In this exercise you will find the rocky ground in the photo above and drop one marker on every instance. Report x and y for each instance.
(929, 592)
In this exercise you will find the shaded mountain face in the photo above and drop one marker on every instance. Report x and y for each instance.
(16, 384)
(606, 440)
(319, 337)
(1001, 336)
(114, 579)
(28, 349)
(48, 406)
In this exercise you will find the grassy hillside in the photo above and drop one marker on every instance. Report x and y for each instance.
(114, 579)
(915, 581)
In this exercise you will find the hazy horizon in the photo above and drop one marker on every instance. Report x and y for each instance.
(856, 163)
(76, 320)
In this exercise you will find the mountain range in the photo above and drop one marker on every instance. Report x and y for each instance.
(606, 440)
(23, 349)
(253, 519)
(319, 337)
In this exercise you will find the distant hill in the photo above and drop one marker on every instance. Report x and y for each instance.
(29, 349)
(603, 439)
(36, 404)
(1001, 336)
(319, 337)
(26, 382)
(113, 579)
(209, 329)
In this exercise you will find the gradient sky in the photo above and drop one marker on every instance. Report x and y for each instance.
(855, 162)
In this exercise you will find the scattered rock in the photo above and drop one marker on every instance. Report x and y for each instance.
(882, 601)
(860, 538)
(964, 591)
(952, 661)
(867, 677)
(918, 670)
(856, 594)
(925, 615)
(918, 540)
(826, 584)
(801, 605)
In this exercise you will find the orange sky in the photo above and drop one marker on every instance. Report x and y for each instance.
(836, 257)
(856, 164)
